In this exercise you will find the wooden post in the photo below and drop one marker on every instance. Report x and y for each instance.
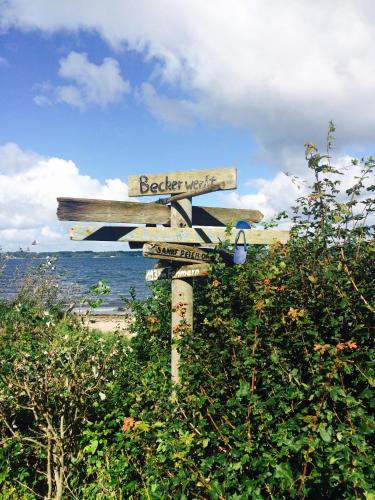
(182, 289)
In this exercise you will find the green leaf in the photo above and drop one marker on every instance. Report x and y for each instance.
(205, 442)
(244, 389)
(92, 447)
(325, 434)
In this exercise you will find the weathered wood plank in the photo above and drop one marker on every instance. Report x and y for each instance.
(202, 236)
(85, 209)
(181, 182)
(82, 209)
(173, 252)
(190, 271)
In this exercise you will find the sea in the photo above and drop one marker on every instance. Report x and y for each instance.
(76, 272)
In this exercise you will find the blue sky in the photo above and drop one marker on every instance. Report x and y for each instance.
(127, 138)
(92, 92)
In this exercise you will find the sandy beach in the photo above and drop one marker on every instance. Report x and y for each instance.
(108, 323)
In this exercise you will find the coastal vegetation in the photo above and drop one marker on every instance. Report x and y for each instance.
(276, 396)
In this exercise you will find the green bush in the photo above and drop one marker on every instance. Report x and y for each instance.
(275, 399)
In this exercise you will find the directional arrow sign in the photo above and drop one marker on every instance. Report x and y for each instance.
(170, 251)
(181, 182)
(84, 209)
(201, 236)
(192, 271)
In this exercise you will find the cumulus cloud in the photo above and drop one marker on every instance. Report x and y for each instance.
(29, 186)
(280, 69)
(270, 196)
(173, 112)
(279, 193)
(13, 159)
(92, 84)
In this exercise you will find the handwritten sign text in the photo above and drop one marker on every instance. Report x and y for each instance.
(181, 182)
(171, 251)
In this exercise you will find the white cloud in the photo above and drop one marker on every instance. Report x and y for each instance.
(92, 84)
(70, 95)
(29, 186)
(270, 196)
(13, 159)
(174, 112)
(279, 194)
(281, 69)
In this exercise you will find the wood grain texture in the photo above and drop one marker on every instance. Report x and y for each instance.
(181, 182)
(181, 289)
(174, 252)
(188, 271)
(89, 210)
(202, 236)
(81, 209)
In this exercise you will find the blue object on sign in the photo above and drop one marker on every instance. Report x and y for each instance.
(240, 252)
(242, 224)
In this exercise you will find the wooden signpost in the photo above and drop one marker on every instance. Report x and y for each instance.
(185, 227)
(83, 209)
(179, 253)
(191, 271)
(181, 182)
(174, 234)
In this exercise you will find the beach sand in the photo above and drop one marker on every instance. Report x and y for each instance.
(108, 323)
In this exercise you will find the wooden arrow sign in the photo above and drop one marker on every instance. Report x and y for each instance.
(173, 252)
(192, 271)
(82, 209)
(201, 236)
(181, 182)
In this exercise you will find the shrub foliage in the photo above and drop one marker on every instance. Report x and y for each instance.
(276, 395)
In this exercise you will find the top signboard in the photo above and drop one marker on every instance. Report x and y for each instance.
(182, 182)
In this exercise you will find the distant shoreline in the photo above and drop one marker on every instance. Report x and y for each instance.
(25, 253)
